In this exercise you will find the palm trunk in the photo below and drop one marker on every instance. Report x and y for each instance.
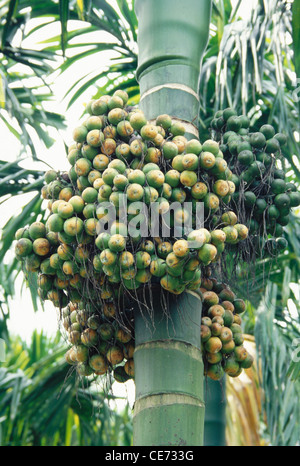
(215, 413)
(172, 37)
(169, 407)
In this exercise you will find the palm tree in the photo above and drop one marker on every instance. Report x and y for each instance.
(229, 54)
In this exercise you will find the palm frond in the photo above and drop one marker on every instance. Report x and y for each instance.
(22, 72)
(249, 67)
(296, 35)
(120, 25)
(42, 404)
(281, 394)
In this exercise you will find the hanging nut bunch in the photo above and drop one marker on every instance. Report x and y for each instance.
(125, 215)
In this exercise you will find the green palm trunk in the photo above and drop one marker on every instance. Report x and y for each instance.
(215, 412)
(172, 37)
(169, 406)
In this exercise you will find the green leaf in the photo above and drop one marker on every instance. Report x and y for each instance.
(285, 285)
(234, 11)
(102, 23)
(110, 16)
(15, 222)
(296, 35)
(64, 15)
(28, 59)
(16, 396)
(10, 127)
(70, 35)
(13, 4)
(2, 93)
(294, 369)
(80, 8)
(2, 351)
(96, 49)
(130, 16)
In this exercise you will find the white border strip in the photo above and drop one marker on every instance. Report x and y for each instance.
(181, 87)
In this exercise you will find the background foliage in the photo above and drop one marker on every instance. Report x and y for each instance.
(252, 63)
